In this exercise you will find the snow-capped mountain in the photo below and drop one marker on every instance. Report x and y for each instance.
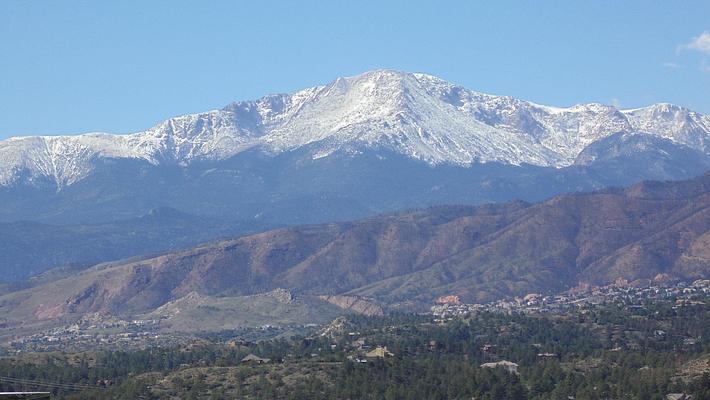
(416, 115)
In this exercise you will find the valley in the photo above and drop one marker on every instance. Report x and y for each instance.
(636, 345)
(649, 232)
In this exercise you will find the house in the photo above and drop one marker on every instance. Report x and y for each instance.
(689, 341)
(450, 299)
(361, 344)
(239, 342)
(532, 298)
(510, 366)
(379, 352)
(252, 359)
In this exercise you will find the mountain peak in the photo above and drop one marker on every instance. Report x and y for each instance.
(381, 73)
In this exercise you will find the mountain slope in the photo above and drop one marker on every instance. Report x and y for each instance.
(28, 248)
(292, 188)
(647, 231)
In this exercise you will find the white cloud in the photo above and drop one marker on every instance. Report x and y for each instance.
(671, 65)
(616, 102)
(700, 43)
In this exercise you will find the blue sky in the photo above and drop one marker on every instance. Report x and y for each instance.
(76, 66)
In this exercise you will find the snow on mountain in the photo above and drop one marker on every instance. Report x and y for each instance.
(66, 159)
(417, 115)
(673, 122)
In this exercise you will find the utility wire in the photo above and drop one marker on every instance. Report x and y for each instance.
(30, 382)
(45, 384)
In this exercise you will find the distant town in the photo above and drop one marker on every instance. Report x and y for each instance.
(683, 293)
(96, 331)
(99, 332)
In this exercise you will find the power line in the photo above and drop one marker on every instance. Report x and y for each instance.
(46, 384)
(39, 383)
(56, 385)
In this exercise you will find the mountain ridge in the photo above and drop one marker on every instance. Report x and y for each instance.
(420, 116)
